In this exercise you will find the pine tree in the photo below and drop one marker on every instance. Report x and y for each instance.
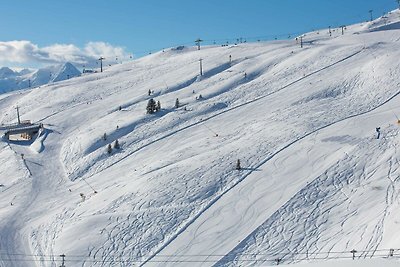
(104, 136)
(151, 106)
(109, 149)
(238, 167)
(116, 144)
(149, 92)
(177, 103)
(158, 107)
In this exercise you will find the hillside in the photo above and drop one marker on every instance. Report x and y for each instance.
(314, 183)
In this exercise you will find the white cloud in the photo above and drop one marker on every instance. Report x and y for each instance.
(97, 49)
(18, 53)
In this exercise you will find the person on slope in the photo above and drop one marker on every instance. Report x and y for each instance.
(378, 131)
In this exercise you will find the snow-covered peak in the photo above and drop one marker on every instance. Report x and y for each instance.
(66, 71)
(6, 73)
(13, 80)
(24, 72)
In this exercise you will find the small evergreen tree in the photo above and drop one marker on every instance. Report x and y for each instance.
(158, 107)
(177, 103)
(149, 93)
(238, 167)
(116, 144)
(104, 136)
(109, 149)
(151, 106)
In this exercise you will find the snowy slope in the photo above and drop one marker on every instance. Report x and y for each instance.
(315, 180)
(13, 80)
(348, 263)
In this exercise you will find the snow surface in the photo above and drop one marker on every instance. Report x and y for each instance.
(348, 263)
(315, 181)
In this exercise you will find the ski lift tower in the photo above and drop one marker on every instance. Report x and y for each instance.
(197, 42)
(101, 63)
(19, 120)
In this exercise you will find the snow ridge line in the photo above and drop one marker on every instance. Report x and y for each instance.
(212, 202)
(225, 111)
(303, 137)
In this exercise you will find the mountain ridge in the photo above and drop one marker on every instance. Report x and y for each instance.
(15, 80)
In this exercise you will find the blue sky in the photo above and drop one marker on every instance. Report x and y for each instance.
(138, 27)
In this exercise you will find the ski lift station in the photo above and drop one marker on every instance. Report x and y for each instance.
(22, 131)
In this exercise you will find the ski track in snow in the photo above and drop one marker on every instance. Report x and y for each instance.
(274, 154)
(313, 203)
(309, 198)
(355, 115)
(128, 225)
(225, 111)
(39, 188)
(203, 120)
(216, 115)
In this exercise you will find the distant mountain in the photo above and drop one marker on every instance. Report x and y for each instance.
(24, 72)
(13, 80)
(65, 72)
(6, 72)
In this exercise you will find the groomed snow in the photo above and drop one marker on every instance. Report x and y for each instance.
(348, 263)
(314, 181)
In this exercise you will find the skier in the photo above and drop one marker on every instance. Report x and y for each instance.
(378, 131)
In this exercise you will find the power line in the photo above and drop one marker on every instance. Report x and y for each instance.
(94, 190)
(288, 256)
(360, 17)
(217, 255)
